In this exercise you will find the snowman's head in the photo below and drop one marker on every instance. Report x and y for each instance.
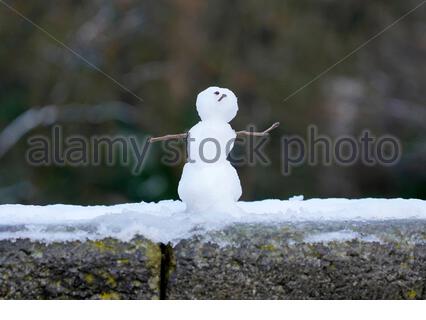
(216, 103)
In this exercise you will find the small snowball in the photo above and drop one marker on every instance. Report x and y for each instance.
(296, 198)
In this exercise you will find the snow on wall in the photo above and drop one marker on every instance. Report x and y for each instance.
(167, 220)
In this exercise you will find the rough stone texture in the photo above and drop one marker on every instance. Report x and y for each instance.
(387, 261)
(106, 269)
(375, 260)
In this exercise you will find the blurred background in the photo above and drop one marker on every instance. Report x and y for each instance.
(167, 51)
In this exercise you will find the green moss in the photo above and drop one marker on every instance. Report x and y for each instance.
(123, 261)
(89, 278)
(154, 282)
(153, 254)
(137, 283)
(411, 294)
(110, 280)
(268, 247)
(109, 296)
(102, 245)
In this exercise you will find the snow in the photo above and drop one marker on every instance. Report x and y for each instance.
(341, 235)
(168, 220)
(215, 103)
(213, 187)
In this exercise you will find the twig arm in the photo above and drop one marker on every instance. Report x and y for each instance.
(239, 133)
(259, 134)
(169, 137)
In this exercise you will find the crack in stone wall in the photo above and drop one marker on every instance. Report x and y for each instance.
(167, 267)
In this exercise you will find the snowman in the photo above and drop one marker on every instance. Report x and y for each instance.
(209, 183)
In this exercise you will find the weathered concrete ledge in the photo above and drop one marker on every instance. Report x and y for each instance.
(382, 260)
(303, 260)
(107, 269)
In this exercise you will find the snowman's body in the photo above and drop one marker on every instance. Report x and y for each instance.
(209, 182)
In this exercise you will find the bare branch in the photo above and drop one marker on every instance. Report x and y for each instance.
(258, 134)
(185, 135)
(168, 137)
(48, 115)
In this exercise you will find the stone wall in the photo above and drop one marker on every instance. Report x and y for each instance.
(305, 260)
(107, 269)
